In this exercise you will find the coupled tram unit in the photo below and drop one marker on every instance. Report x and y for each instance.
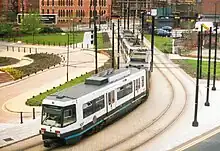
(71, 113)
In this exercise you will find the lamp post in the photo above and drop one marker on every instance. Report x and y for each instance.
(153, 14)
(95, 36)
(128, 14)
(67, 64)
(216, 40)
(118, 43)
(124, 16)
(195, 122)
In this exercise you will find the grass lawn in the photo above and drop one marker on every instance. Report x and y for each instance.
(164, 44)
(190, 66)
(103, 40)
(51, 39)
(41, 61)
(4, 61)
(37, 100)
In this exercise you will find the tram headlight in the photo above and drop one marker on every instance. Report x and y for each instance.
(43, 130)
(58, 133)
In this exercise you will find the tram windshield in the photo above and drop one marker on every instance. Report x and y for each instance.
(58, 117)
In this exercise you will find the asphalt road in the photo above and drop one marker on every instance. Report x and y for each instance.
(209, 144)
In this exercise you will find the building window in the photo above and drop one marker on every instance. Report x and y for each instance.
(42, 11)
(91, 2)
(52, 11)
(78, 2)
(52, 2)
(48, 2)
(59, 13)
(104, 2)
(42, 2)
(71, 12)
(48, 12)
(67, 2)
(81, 2)
(58, 2)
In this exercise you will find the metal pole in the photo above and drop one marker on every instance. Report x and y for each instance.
(134, 23)
(216, 40)
(152, 43)
(208, 78)
(95, 36)
(33, 113)
(201, 44)
(195, 122)
(118, 43)
(128, 14)
(21, 117)
(124, 16)
(113, 53)
(142, 26)
(99, 15)
(73, 35)
(67, 63)
(120, 12)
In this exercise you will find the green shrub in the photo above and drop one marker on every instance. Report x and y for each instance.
(14, 72)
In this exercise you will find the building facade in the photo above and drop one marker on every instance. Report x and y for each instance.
(77, 11)
(29, 5)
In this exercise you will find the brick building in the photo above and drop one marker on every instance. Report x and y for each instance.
(75, 10)
(208, 9)
(29, 5)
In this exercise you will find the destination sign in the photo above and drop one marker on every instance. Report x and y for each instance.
(48, 19)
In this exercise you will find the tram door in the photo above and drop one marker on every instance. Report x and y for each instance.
(111, 100)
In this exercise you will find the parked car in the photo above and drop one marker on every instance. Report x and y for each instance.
(163, 33)
(167, 28)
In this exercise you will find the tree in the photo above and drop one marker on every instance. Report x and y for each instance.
(5, 29)
(31, 23)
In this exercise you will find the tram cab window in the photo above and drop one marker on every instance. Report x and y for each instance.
(69, 115)
(51, 116)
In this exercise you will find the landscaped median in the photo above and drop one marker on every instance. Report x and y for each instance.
(164, 44)
(41, 61)
(190, 66)
(37, 100)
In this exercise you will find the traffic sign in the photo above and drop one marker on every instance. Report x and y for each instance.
(48, 19)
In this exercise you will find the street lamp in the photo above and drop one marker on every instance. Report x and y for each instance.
(153, 14)
(216, 39)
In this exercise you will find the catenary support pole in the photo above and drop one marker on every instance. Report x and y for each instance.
(134, 23)
(201, 45)
(152, 43)
(128, 14)
(118, 44)
(113, 45)
(214, 72)
(195, 122)
(142, 26)
(95, 36)
(124, 16)
(67, 63)
(208, 78)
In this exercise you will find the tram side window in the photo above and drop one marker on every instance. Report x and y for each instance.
(124, 90)
(99, 103)
(142, 81)
(111, 97)
(138, 84)
(87, 109)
